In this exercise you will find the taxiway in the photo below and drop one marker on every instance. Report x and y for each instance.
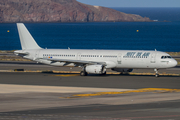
(69, 96)
(51, 96)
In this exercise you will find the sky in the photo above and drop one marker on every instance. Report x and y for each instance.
(133, 3)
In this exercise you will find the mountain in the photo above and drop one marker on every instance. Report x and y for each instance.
(59, 11)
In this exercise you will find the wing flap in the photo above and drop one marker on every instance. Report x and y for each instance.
(75, 61)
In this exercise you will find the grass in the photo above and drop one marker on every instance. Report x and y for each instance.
(7, 51)
(174, 53)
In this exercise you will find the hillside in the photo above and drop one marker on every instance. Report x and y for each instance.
(59, 11)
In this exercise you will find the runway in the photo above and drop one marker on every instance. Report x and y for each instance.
(54, 96)
(75, 80)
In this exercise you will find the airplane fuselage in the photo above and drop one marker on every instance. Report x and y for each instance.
(113, 58)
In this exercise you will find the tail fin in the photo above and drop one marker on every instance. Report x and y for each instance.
(27, 41)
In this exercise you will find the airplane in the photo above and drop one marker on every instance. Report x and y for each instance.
(93, 61)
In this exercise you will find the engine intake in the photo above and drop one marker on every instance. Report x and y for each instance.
(95, 69)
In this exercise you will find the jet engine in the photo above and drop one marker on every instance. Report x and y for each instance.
(96, 69)
(122, 70)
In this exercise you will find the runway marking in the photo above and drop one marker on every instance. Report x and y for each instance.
(77, 72)
(155, 90)
(11, 88)
(109, 73)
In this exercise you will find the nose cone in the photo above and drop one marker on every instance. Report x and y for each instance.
(173, 63)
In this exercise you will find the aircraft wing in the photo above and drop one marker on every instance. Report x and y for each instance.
(75, 61)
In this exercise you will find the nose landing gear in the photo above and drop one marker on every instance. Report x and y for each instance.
(156, 75)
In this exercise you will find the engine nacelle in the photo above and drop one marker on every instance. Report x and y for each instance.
(95, 69)
(122, 70)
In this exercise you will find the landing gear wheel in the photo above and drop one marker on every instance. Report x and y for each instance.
(83, 73)
(121, 73)
(157, 75)
(104, 73)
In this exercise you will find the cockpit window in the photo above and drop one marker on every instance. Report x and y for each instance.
(164, 57)
(169, 56)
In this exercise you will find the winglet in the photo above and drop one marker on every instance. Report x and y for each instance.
(27, 41)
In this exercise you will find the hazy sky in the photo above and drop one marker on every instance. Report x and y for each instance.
(133, 3)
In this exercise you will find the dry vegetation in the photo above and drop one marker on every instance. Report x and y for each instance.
(174, 53)
(9, 56)
(4, 51)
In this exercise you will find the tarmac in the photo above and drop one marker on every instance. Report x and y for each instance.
(33, 66)
(68, 96)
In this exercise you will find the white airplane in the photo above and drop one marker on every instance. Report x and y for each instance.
(93, 61)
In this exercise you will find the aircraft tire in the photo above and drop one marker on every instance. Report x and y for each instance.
(104, 73)
(83, 73)
(157, 75)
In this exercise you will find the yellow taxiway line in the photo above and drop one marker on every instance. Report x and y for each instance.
(66, 75)
(156, 90)
(77, 72)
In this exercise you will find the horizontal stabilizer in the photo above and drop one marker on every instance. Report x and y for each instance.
(20, 53)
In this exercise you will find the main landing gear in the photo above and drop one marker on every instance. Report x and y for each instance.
(103, 74)
(156, 75)
(83, 73)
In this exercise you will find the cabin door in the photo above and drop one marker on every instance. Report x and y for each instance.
(119, 58)
(36, 55)
(153, 58)
(79, 56)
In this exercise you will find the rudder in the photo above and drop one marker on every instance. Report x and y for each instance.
(27, 41)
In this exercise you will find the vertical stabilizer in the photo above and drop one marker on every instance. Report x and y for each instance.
(27, 41)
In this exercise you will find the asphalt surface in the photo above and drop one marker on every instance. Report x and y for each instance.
(168, 110)
(38, 105)
(98, 81)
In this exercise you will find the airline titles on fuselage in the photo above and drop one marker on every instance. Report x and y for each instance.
(137, 55)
